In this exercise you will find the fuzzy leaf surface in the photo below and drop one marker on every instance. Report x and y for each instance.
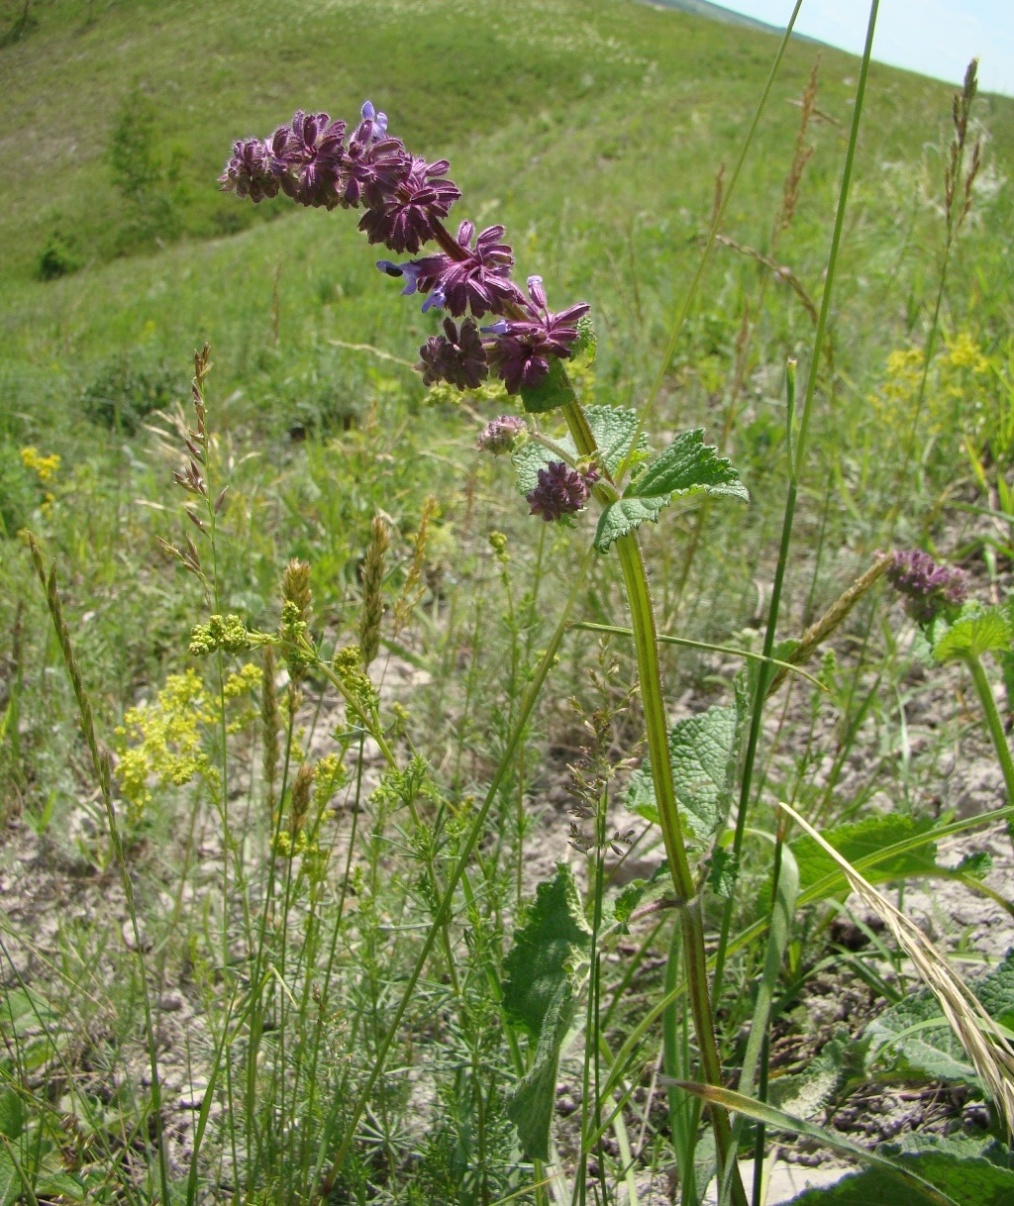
(959, 1167)
(554, 932)
(688, 464)
(530, 1106)
(554, 391)
(913, 1041)
(530, 458)
(613, 428)
(624, 516)
(702, 751)
(973, 635)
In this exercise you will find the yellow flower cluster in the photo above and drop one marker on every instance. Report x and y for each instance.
(957, 396)
(168, 740)
(44, 467)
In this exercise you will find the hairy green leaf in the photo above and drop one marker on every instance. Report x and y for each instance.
(533, 456)
(913, 1041)
(688, 464)
(623, 516)
(702, 750)
(554, 931)
(10, 1182)
(975, 634)
(959, 1167)
(530, 1105)
(613, 428)
(583, 348)
(902, 1175)
(539, 997)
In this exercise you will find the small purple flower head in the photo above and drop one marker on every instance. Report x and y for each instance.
(523, 349)
(479, 280)
(456, 357)
(307, 156)
(928, 587)
(561, 491)
(404, 220)
(249, 172)
(375, 166)
(500, 435)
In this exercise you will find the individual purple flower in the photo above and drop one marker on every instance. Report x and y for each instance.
(927, 586)
(500, 435)
(478, 279)
(456, 357)
(249, 172)
(410, 271)
(523, 348)
(404, 220)
(308, 156)
(375, 165)
(561, 491)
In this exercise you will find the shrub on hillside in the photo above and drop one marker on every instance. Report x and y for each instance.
(127, 389)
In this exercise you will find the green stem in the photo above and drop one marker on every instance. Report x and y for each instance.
(995, 725)
(642, 620)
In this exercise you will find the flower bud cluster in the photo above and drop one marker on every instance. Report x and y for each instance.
(928, 587)
(560, 491)
(317, 162)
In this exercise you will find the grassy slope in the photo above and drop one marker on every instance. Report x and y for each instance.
(592, 129)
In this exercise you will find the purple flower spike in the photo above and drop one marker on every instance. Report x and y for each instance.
(561, 491)
(927, 586)
(249, 172)
(404, 220)
(500, 435)
(480, 280)
(459, 359)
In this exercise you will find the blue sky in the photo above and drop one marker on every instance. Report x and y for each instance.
(934, 37)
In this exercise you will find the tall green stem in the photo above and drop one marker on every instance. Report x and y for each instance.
(642, 622)
(995, 725)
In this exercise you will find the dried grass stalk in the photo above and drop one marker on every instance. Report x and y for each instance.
(983, 1041)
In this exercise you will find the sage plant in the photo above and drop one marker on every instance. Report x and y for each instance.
(492, 327)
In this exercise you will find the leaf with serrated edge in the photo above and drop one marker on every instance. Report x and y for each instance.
(624, 516)
(954, 1165)
(913, 1041)
(539, 961)
(858, 839)
(778, 1120)
(974, 635)
(530, 458)
(687, 464)
(530, 1106)
(701, 754)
